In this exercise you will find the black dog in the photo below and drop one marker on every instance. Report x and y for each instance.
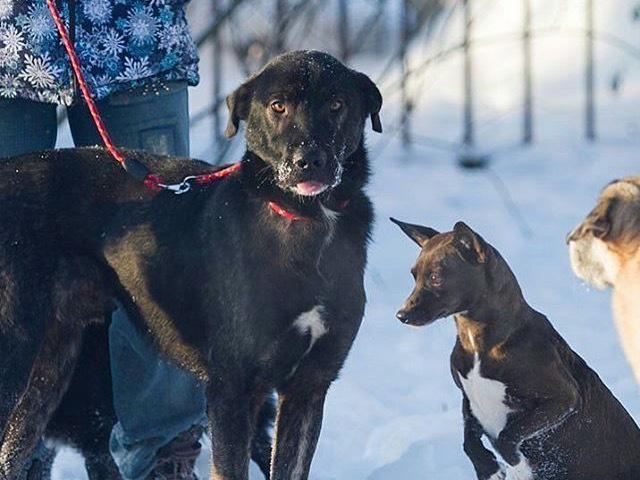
(252, 283)
(543, 409)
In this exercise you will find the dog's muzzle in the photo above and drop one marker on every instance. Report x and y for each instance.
(575, 234)
(312, 173)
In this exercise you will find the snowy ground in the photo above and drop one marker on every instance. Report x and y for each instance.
(395, 412)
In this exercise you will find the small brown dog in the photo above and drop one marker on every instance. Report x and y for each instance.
(605, 252)
(546, 413)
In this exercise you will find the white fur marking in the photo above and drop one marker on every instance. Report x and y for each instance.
(331, 215)
(311, 322)
(486, 397)
(302, 449)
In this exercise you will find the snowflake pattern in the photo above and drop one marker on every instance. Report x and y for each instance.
(39, 71)
(98, 11)
(141, 25)
(9, 85)
(11, 44)
(6, 9)
(134, 69)
(37, 23)
(112, 42)
(122, 44)
(172, 38)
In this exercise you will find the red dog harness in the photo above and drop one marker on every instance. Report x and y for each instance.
(136, 169)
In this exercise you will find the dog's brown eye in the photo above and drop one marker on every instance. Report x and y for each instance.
(335, 105)
(278, 106)
(435, 280)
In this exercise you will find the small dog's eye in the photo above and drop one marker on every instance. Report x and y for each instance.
(278, 106)
(335, 105)
(435, 280)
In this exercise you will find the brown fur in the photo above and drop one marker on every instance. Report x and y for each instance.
(605, 251)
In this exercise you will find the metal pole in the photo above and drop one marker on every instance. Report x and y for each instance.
(590, 120)
(468, 136)
(343, 29)
(528, 88)
(281, 26)
(216, 52)
(406, 101)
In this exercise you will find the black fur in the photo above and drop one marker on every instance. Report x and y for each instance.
(215, 275)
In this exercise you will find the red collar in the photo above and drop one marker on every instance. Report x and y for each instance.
(293, 217)
(284, 213)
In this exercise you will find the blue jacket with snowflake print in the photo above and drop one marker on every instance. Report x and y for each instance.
(122, 44)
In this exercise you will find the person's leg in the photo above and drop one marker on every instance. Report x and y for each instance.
(26, 126)
(154, 399)
(154, 119)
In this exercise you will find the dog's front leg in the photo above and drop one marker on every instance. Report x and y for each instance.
(484, 461)
(298, 426)
(556, 406)
(230, 413)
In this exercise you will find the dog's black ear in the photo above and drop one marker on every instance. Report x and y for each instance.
(470, 244)
(239, 104)
(372, 99)
(417, 233)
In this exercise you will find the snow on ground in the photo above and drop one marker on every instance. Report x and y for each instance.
(395, 413)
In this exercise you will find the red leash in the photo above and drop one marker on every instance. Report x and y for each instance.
(134, 167)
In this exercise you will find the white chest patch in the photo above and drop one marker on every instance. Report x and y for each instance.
(487, 399)
(311, 322)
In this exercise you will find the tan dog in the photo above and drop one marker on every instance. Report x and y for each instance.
(605, 252)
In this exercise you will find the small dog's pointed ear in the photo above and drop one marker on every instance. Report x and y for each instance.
(417, 233)
(470, 244)
(372, 100)
(238, 104)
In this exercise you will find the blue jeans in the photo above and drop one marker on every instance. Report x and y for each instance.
(154, 399)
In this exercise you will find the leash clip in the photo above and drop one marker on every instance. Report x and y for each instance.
(180, 188)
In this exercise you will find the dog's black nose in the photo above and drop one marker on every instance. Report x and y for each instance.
(402, 316)
(312, 160)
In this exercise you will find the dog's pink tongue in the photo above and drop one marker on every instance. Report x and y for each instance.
(310, 188)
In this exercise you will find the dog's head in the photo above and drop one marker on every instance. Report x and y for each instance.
(609, 235)
(449, 273)
(305, 113)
